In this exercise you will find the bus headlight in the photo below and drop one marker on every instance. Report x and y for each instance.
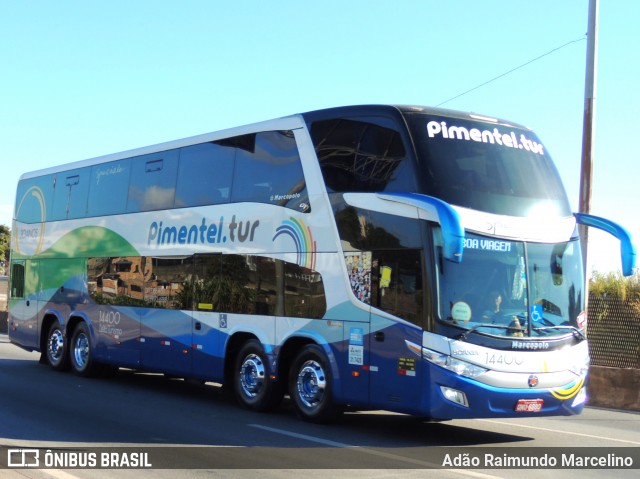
(581, 368)
(462, 368)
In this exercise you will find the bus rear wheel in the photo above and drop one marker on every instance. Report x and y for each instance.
(81, 352)
(310, 385)
(253, 386)
(56, 348)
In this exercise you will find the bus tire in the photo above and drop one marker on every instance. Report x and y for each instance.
(81, 352)
(56, 348)
(311, 385)
(252, 385)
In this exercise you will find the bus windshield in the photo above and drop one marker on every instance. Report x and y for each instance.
(512, 289)
(486, 166)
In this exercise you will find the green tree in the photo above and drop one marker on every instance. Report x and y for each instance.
(5, 248)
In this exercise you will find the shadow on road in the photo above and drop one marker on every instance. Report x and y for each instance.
(130, 408)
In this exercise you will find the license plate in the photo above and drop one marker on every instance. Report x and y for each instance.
(529, 405)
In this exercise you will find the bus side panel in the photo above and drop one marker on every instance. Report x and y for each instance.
(117, 334)
(165, 340)
(353, 357)
(397, 372)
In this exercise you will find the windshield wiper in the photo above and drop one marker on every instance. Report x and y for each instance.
(464, 335)
(573, 329)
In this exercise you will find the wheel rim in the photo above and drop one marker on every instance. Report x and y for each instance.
(81, 350)
(311, 384)
(56, 346)
(252, 375)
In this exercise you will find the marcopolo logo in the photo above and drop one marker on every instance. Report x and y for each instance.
(205, 232)
(495, 136)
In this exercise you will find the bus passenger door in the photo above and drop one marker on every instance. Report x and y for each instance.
(23, 320)
(396, 369)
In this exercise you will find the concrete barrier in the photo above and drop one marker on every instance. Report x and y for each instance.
(614, 388)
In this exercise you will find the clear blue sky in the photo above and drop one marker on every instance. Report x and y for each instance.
(81, 79)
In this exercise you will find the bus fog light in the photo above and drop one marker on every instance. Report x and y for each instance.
(455, 396)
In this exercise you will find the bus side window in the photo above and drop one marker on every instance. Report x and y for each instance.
(70, 194)
(204, 175)
(109, 188)
(397, 284)
(268, 170)
(32, 197)
(17, 280)
(153, 181)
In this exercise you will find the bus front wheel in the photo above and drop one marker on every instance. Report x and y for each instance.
(253, 386)
(310, 385)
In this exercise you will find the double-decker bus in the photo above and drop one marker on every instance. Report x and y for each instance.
(410, 259)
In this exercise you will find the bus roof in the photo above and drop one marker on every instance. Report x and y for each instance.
(284, 123)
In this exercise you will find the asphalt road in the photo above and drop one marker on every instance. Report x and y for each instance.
(191, 430)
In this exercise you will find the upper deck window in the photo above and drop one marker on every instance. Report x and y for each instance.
(109, 188)
(362, 155)
(268, 170)
(153, 182)
(204, 176)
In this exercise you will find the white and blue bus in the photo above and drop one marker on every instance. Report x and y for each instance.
(410, 259)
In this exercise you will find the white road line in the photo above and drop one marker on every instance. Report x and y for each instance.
(373, 452)
(636, 443)
(58, 474)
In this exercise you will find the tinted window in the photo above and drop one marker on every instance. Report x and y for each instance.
(240, 284)
(397, 284)
(204, 175)
(33, 196)
(365, 155)
(70, 195)
(487, 166)
(268, 170)
(165, 280)
(17, 280)
(153, 181)
(139, 281)
(364, 230)
(304, 292)
(223, 284)
(109, 188)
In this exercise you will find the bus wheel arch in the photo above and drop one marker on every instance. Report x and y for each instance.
(287, 353)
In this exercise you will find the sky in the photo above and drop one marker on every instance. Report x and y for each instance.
(83, 79)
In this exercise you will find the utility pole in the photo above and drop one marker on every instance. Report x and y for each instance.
(588, 130)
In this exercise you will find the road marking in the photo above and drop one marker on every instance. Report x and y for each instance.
(57, 474)
(373, 452)
(559, 431)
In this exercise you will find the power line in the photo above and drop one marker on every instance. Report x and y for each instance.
(514, 69)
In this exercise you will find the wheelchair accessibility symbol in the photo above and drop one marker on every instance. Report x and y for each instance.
(536, 313)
